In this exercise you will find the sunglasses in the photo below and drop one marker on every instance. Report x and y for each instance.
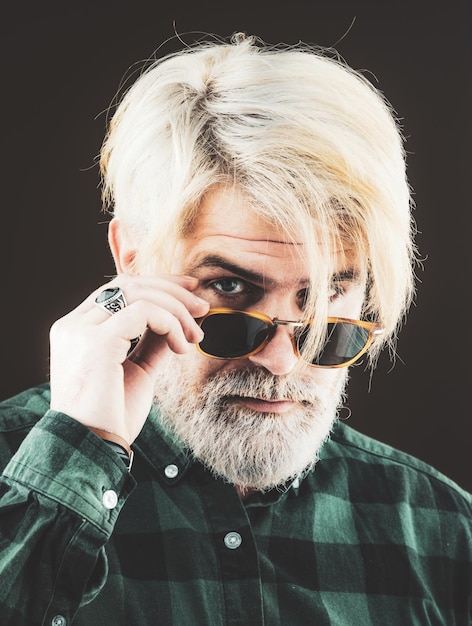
(231, 334)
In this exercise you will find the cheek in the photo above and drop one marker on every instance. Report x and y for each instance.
(328, 381)
(197, 368)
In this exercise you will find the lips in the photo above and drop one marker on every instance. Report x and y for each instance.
(264, 405)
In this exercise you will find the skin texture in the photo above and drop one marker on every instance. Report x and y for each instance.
(231, 258)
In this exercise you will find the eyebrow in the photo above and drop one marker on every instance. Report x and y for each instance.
(349, 275)
(215, 260)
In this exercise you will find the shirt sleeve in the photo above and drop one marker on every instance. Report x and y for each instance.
(60, 496)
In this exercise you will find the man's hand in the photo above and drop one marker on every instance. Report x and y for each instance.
(92, 377)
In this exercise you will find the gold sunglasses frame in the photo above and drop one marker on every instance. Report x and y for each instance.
(373, 328)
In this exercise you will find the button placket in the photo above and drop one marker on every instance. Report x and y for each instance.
(229, 519)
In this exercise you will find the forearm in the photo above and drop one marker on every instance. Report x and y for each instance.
(56, 515)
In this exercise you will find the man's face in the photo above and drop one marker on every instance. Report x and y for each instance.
(260, 420)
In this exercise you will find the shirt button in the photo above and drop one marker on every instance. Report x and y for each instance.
(58, 620)
(110, 500)
(171, 471)
(233, 540)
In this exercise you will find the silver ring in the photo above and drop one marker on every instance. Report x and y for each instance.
(111, 300)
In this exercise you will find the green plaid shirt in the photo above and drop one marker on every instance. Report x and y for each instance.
(371, 536)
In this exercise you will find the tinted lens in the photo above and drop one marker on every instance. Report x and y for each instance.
(344, 341)
(232, 335)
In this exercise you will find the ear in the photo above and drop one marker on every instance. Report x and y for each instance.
(121, 246)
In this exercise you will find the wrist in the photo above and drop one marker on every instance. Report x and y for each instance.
(116, 443)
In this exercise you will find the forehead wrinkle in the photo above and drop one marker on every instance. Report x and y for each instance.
(272, 247)
(282, 242)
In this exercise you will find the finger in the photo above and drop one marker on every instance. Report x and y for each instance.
(176, 327)
(146, 310)
(156, 290)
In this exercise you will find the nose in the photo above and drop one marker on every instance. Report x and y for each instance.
(278, 356)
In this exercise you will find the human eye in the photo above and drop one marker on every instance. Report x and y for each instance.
(231, 291)
(228, 286)
(302, 299)
(336, 290)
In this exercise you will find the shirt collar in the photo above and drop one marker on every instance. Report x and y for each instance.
(160, 450)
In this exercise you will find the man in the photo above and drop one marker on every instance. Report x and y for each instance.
(186, 466)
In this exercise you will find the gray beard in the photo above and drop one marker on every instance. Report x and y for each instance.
(250, 449)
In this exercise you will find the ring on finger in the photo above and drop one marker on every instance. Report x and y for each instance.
(111, 300)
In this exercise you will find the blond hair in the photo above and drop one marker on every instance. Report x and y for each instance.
(311, 144)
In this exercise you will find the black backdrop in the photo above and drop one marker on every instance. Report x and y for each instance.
(62, 64)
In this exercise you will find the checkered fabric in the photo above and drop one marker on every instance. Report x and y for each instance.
(371, 536)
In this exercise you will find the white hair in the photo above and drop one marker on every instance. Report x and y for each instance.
(311, 144)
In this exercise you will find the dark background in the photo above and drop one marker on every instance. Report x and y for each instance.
(62, 64)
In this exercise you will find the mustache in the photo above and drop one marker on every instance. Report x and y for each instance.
(252, 383)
